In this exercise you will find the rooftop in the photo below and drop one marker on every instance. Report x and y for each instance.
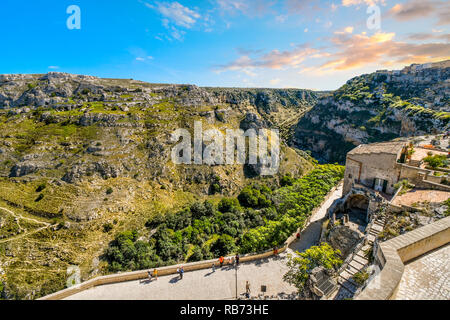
(392, 147)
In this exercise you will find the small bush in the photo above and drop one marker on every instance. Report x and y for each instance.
(39, 198)
(41, 187)
(107, 227)
(109, 190)
(361, 277)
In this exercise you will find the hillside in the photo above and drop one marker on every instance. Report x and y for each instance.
(82, 158)
(377, 107)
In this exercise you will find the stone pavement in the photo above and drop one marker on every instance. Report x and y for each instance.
(220, 285)
(311, 235)
(427, 278)
(200, 284)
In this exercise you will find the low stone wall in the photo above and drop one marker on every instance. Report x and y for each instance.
(142, 274)
(426, 184)
(164, 271)
(394, 253)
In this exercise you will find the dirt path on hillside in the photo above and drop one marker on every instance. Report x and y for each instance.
(46, 225)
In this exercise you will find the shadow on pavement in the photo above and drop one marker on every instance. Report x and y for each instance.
(175, 279)
(146, 281)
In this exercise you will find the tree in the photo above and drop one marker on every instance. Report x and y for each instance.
(223, 246)
(228, 205)
(300, 266)
(255, 197)
(199, 209)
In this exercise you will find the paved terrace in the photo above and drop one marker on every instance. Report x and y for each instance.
(221, 284)
(434, 284)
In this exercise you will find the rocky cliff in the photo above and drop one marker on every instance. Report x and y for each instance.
(377, 107)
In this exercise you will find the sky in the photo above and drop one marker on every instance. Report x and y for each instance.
(309, 44)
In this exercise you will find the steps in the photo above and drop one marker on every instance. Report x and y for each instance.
(359, 261)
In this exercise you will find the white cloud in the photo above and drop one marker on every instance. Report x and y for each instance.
(347, 3)
(176, 13)
(144, 58)
(247, 7)
(281, 18)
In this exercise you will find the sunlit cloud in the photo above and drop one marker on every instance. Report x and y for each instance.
(273, 60)
(347, 51)
(419, 9)
(360, 50)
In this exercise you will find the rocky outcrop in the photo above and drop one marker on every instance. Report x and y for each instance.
(104, 169)
(344, 239)
(25, 168)
(376, 107)
(252, 121)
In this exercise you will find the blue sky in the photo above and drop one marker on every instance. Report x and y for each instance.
(239, 43)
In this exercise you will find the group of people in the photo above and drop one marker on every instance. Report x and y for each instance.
(151, 276)
(155, 275)
(222, 261)
(229, 261)
(180, 271)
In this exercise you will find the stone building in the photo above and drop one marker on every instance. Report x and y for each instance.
(375, 166)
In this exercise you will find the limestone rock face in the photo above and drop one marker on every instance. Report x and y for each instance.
(377, 107)
(104, 169)
(25, 168)
(252, 121)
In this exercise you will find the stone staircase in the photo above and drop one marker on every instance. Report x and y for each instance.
(359, 261)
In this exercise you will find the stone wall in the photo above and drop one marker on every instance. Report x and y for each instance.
(394, 253)
(425, 184)
(414, 175)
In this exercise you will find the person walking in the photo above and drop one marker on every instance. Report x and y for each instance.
(181, 272)
(275, 252)
(221, 261)
(213, 267)
(237, 259)
(155, 274)
(247, 290)
(150, 278)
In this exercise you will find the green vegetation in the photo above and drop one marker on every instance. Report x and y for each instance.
(436, 161)
(317, 256)
(361, 277)
(258, 219)
(405, 185)
(287, 180)
(447, 203)
(255, 196)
